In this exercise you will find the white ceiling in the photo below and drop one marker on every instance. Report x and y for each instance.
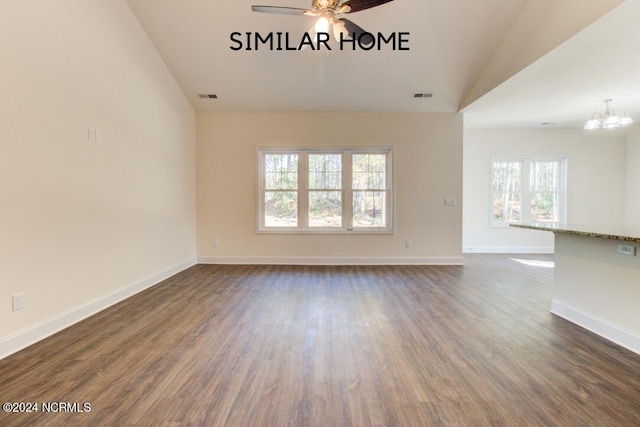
(451, 42)
(567, 85)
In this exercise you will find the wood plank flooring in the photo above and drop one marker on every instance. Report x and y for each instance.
(332, 346)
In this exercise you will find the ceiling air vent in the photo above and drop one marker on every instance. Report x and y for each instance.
(423, 95)
(207, 96)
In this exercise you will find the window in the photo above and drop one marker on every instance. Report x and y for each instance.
(325, 191)
(281, 190)
(527, 190)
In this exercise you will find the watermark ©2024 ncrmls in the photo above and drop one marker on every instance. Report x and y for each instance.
(284, 41)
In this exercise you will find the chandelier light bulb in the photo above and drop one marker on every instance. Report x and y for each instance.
(592, 124)
(625, 120)
(611, 122)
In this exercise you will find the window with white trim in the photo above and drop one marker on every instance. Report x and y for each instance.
(325, 190)
(527, 190)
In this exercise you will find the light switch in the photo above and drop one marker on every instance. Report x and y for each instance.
(450, 201)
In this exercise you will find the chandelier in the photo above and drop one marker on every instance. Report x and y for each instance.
(607, 120)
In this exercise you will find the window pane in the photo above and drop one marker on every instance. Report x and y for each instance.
(506, 177)
(325, 171)
(507, 207)
(544, 207)
(507, 191)
(369, 171)
(544, 176)
(281, 171)
(281, 208)
(369, 209)
(325, 209)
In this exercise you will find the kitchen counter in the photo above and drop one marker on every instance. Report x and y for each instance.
(597, 278)
(604, 231)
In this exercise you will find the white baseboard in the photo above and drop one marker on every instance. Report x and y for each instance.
(43, 329)
(508, 249)
(453, 260)
(613, 333)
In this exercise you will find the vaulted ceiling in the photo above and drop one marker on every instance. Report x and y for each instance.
(473, 55)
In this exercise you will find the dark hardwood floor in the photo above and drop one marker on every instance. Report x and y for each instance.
(332, 346)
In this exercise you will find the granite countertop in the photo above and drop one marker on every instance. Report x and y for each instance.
(627, 233)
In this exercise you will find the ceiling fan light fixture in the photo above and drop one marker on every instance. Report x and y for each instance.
(322, 25)
(339, 30)
(345, 8)
(329, 13)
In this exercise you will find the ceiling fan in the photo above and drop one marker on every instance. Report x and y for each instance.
(330, 16)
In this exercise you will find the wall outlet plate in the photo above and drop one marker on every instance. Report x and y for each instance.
(628, 250)
(17, 301)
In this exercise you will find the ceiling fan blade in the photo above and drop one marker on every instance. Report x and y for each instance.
(358, 5)
(282, 10)
(365, 38)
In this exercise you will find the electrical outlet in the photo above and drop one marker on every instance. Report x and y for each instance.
(95, 135)
(17, 302)
(629, 250)
(408, 244)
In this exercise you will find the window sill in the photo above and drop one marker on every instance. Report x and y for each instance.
(341, 231)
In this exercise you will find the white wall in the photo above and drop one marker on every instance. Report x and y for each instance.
(85, 224)
(428, 168)
(541, 26)
(597, 288)
(633, 175)
(595, 181)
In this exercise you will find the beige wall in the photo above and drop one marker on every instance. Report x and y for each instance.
(84, 223)
(428, 168)
(595, 181)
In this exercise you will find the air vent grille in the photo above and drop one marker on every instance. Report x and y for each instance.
(207, 96)
(423, 95)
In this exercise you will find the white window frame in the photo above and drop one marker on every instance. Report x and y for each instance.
(525, 214)
(347, 191)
